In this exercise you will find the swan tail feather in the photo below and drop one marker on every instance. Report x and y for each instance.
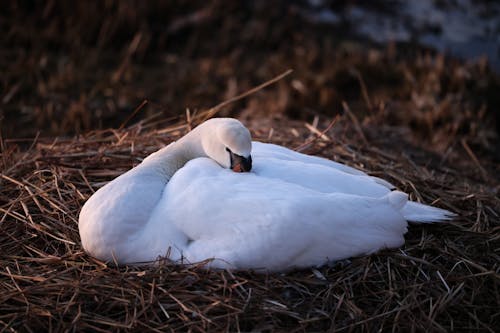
(420, 213)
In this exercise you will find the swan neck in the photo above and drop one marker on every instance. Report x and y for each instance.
(171, 158)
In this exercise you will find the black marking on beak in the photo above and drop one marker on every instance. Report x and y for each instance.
(240, 163)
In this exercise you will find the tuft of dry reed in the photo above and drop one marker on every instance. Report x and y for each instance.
(445, 278)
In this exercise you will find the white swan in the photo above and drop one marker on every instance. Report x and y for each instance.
(291, 210)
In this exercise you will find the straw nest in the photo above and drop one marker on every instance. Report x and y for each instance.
(445, 278)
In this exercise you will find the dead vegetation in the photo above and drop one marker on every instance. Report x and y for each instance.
(420, 120)
(445, 278)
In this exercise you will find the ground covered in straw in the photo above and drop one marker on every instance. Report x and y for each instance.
(88, 91)
(444, 278)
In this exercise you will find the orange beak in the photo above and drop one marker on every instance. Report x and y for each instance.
(240, 163)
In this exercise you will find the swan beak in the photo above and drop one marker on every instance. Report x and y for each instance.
(240, 163)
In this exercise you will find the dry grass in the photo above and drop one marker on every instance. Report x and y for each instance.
(413, 117)
(445, 278)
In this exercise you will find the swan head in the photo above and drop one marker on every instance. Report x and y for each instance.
(229, 143)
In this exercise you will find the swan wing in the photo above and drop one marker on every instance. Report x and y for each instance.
(318, 177)
(266, 151)
(248, 221)
(271, 150)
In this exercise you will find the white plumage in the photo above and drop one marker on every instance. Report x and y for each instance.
(291, 210)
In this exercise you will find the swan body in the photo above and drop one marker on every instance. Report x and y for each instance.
(291, 210)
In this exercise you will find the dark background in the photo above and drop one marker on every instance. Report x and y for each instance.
(69, 67)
